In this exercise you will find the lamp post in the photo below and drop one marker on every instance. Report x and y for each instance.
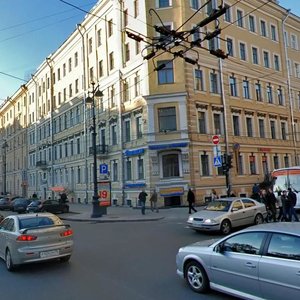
(4, 146)
(98, 211)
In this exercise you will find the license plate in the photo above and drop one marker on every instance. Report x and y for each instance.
(49, 253)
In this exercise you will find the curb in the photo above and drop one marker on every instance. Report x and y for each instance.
(97, 220)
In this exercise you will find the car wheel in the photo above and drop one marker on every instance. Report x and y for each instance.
(225, 227)
(8, 261)
(259, 219)
(65, 258)
(196, 277)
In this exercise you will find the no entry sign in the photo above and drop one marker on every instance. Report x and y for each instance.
(215, 139)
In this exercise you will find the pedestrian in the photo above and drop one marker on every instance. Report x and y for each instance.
(255, 192)
(191, 201)
(142, 198)
(293, 199)
(281, 205)
(214, 195)
(153, 201)
(271, 204)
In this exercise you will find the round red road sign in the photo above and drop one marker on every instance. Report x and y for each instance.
(215, 139)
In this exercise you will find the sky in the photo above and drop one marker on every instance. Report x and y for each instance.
(30, 30)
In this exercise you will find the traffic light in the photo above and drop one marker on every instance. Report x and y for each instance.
(224, 163)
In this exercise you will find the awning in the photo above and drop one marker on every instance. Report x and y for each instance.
(57, 189)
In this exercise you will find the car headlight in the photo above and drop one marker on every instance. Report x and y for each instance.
(210, 221)
(190, 219)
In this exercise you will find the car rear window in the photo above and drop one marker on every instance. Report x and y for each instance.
(35, 222)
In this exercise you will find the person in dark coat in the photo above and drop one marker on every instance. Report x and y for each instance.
(191, 201)
(271, 203)
(142, 198)
(293, 200)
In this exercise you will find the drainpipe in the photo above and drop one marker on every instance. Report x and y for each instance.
(289, 87)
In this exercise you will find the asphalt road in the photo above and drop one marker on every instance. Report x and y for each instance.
(111, 261)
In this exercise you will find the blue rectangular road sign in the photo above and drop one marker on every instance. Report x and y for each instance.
(218, 161)
(103, 169)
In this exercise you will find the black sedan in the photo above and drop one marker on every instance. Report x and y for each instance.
(52, 206)
(20, 205)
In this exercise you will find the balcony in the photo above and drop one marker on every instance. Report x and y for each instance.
(101, 150)
(42, 164)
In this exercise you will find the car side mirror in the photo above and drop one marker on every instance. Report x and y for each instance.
(220, 248)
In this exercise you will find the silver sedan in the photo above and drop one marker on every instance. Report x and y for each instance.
(225, 213)
(34, 237)
(260, 262)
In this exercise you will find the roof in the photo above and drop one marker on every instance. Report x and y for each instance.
(284, 227)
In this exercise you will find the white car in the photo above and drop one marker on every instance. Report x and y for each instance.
(225, 213)
(34, 237)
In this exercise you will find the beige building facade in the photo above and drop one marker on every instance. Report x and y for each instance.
(155, 128)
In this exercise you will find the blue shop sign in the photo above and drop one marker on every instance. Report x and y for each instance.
(135, 185)
(167, 146)
(134, 152)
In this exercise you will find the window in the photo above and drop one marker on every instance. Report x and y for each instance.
(99, 41)
(199, 80)
(140, 169)
(127, 52)
(276, 63)
(170, 165)
(166, 74)
(164, 3)
(64, 69)
(70, 64)
(218, 124)
(76, 86)
(137, 85)
(167, 119)
(280, 96)
(269, 94)
(283, 130)
(286, 164)
(252, 26)
(258, 91)
(249, 127)
(242, 51)
(246, 90)
(297, 70)
(266, 59)
(114, 140)
(136, 8)
(137, 47)
(214, 87)
(249, 242)
(294, 42)
(76, 59)
(273, 33)
(78, 175)
(195, 4)
(128, 170)
(236, 125)
(252, 164)
(90, 45)
(276, 161)
(261, 125)
(254, 56)
(210, 6)
(230, 49)
(284, 246)
(240, 18)
(263, 29)
(213, 44)
(110, 27)
(228, 14)
(240, 165)
(233, 87)
(115, 171)
(204, 165)
(139, 132)
(101, 71)
(127, 131)
(125, 17)
(202, 122)
(273, 129)
(111, 61)
(78, 146)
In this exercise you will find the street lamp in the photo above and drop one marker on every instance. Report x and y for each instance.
(4, 146)
(98, 211)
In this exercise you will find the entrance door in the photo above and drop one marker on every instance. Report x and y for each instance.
(173, 201)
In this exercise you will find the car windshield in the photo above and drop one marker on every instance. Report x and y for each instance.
(20, 201)
(35, 222)
(218, 205)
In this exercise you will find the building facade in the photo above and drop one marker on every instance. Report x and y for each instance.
(155, 125)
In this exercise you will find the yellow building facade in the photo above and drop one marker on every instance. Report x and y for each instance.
(155, 128)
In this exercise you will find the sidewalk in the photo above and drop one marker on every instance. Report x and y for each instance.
(82, 213)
